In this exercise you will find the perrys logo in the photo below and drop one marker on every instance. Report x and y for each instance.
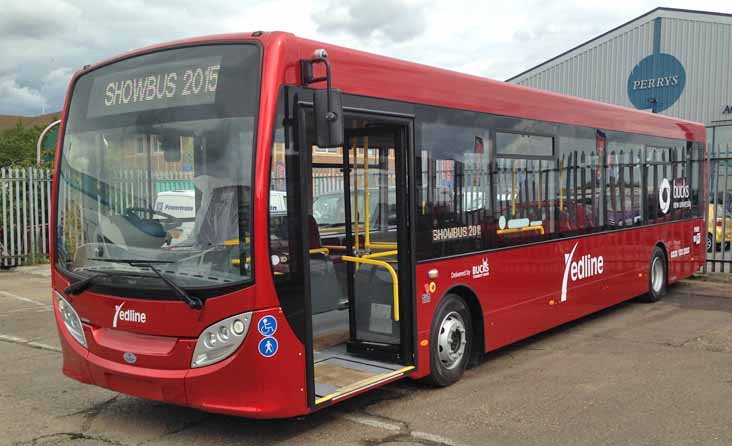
(128, 315)
(679, 195)
(482, 270)
(657, 82)
(587, 266)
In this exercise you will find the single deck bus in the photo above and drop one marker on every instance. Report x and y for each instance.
(457, 215)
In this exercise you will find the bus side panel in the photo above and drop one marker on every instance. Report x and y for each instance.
(522, 291)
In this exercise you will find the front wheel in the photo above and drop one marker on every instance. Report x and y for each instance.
(450, 341)
(657, 276)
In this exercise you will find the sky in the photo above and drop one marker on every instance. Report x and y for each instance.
(42, 42)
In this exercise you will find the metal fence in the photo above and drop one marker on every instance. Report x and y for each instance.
(24, 213)
(719, 212)
(26, 195)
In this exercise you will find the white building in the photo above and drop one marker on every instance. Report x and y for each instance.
(671, 61)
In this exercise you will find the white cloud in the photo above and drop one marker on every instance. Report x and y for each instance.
(44, 41)
(17, 99)
(384, 20)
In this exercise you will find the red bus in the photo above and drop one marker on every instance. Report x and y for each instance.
(262, 225)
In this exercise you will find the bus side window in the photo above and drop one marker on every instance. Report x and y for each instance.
(525, 188)
(580, 164)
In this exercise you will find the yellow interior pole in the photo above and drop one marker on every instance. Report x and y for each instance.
(355, 193)
(366, 208)
(513, 189)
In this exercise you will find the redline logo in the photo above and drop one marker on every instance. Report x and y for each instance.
(587, 266)
(128, 315)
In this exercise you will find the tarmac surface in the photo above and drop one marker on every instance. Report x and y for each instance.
(635, 374)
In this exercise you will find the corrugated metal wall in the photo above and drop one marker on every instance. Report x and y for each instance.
(600, 69)
(705, 49)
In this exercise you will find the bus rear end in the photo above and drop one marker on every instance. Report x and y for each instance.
(159, 301)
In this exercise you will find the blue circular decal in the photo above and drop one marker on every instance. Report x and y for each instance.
(268, 347)
(656, 83)
(267, 325)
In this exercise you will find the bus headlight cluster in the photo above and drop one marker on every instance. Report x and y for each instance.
(220, 340)
(71, 319)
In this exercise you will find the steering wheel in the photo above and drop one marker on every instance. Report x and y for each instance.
(168, 221)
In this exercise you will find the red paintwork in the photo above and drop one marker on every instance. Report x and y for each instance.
(513, 308)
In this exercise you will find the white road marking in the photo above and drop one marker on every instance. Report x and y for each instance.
(434, 438)
(45, 309)
(23, 299)
(28, 342)
(394, 427)
(372, 422)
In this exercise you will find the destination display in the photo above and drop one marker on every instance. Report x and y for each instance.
(173, 84)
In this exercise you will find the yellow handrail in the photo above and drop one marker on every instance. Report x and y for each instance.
(395, 281)
(381, 245)
(235, 241)
(524, 229)
(237, 262)
(335, 247)
(322, 250)
(380, 254)
(332, 230)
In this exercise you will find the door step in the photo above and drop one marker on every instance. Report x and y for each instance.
(374, 350)
(336, 378)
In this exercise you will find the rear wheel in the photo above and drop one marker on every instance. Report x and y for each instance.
(657, 276)
(450, 341)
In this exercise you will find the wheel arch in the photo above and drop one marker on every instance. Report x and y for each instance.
(477, 320)
(662, 245)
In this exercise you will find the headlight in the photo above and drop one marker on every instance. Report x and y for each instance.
(220, 340)
(71, 319)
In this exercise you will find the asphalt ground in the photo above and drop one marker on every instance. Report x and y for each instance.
(635, 374)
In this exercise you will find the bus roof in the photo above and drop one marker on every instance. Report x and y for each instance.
(360, 73)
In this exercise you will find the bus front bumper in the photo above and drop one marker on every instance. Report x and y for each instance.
(245, 384)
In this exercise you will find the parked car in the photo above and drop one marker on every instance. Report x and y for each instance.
(721, 221)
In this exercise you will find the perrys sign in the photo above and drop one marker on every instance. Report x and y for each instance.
(657, 82)
(173, 84)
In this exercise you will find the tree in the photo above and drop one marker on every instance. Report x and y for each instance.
(18, 146)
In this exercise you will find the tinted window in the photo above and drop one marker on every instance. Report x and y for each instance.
(474, 170)
(525, 200)
(453, 182)
(523, 144)
(624, 191)
(580, 181)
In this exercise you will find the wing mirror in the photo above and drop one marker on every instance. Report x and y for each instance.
(327, 103)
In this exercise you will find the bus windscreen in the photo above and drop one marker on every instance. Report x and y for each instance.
(156, 169)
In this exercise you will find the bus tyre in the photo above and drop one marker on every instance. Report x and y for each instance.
(657, 276)
(450, 341)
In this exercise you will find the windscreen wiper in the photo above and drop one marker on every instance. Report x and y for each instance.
(194, 302)
(82, 284)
